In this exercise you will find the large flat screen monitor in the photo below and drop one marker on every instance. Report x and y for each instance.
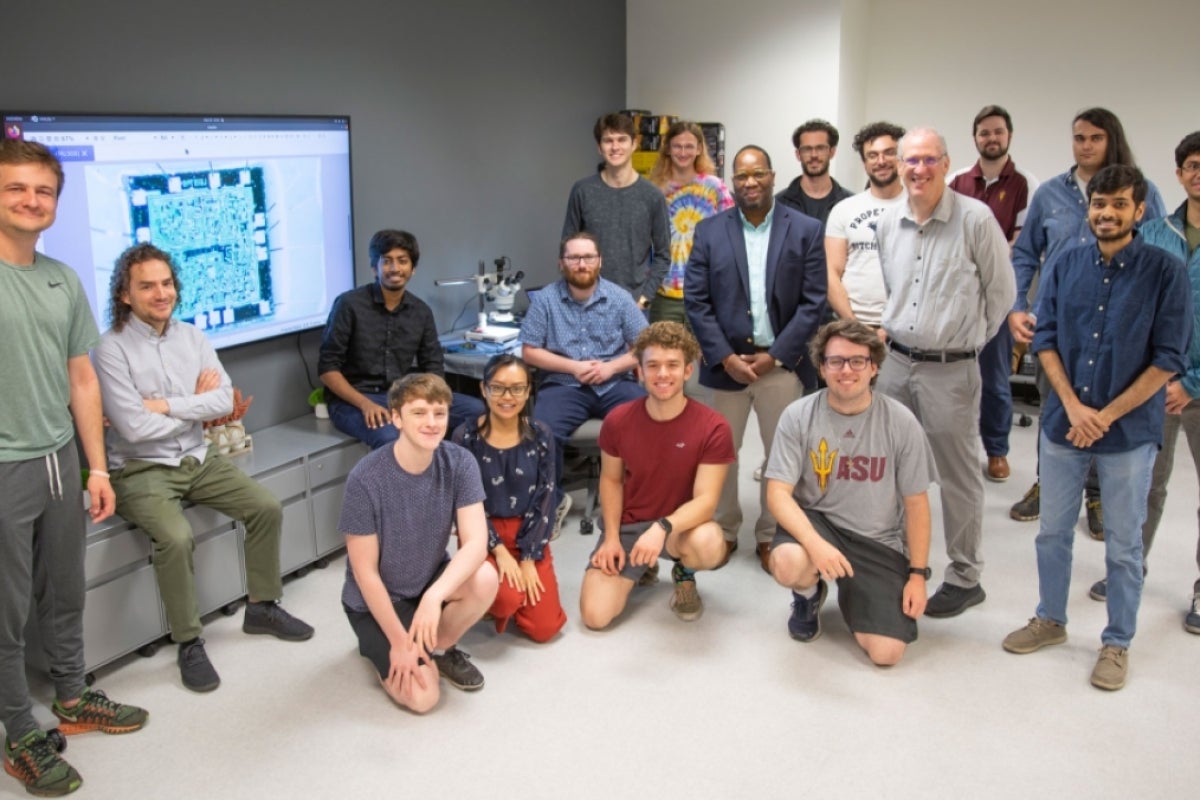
(255, 211)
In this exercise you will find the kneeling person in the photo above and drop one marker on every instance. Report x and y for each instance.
(848, 482)
(663, 461)
(160, 380)
(409, 602)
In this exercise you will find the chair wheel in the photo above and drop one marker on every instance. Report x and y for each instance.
(229, 609)
(147, 650)
(89, 678)
(586, 526)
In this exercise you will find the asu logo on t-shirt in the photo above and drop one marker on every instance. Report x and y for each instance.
(849, 468)
(822, 460)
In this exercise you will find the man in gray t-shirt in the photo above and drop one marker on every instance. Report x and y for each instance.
(407, 601)
(848, 481)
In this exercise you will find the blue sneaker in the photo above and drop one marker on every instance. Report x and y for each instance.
(805, 623)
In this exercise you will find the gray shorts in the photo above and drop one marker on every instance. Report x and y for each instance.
(629, 535)
(870, 601)
(373, 643)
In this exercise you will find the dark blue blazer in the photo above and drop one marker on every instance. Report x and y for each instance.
(717, 298)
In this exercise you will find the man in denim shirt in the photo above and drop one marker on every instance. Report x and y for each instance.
(1057, 221)
(1115, 322)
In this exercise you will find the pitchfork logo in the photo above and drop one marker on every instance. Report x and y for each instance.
(822, 460)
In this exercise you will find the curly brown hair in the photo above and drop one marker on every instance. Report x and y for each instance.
(118, 285)
(669, 336)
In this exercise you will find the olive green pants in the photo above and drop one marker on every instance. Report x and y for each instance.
(151, 496)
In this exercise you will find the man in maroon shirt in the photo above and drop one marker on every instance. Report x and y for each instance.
(662, 464)
(995, 180)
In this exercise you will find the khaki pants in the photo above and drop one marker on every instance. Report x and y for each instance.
(768, 397)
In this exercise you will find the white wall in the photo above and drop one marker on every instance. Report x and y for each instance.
(760, 67)
(764, 66)
(934, 62)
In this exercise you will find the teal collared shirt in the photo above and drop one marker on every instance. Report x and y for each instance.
(758, 239)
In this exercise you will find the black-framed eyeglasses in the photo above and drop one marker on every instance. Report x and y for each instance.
(857, 363)
(516, 391)
(588, 259)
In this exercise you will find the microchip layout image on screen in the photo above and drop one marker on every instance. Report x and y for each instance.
(213, 224)
(254, 211)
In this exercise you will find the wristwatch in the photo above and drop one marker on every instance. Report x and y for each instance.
(665, 524)
(924, 572)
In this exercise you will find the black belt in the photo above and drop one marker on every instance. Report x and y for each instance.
(941, 356)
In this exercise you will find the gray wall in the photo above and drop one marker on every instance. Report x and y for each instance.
(470, 119)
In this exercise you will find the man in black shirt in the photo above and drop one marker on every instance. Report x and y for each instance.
(814, 193)
(377, 334)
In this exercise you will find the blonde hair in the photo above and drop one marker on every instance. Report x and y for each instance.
(660, 173)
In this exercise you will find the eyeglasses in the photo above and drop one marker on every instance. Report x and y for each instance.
(516, 391)
(929, 161)
(588, 259)
(807, 150)
(1190, 168)
(759, 175)
(857, 363)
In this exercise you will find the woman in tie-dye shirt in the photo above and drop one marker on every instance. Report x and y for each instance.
(684, 173)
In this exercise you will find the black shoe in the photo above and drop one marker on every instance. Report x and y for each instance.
(1099, 590)
(805, 623)
(195, 669)
(1095, 518)
(270, 618)
(1029, 507)
(950, 600)
(455, 666)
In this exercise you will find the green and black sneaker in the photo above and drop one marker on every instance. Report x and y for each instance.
(36, 763)
(95, 712)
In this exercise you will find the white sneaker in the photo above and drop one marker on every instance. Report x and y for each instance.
(560, 514)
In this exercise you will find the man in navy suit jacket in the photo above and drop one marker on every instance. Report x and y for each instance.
(754, 290)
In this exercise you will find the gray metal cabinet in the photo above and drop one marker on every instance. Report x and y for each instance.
(303, 462)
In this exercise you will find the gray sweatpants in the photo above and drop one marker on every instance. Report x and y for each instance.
(42, 536)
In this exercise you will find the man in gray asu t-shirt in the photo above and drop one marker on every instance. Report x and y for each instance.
(847, 481)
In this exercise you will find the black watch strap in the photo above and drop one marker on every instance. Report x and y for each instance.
(665, 524)
(924, 572)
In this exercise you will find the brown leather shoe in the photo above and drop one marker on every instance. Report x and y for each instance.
(997, 469)
(764, 556)
(730, 547)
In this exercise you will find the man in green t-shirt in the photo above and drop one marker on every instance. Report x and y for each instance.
(49, 391)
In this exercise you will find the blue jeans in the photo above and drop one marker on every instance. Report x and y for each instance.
(565, 408)
(1124, 483)
(995, 401)
(349, 420)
